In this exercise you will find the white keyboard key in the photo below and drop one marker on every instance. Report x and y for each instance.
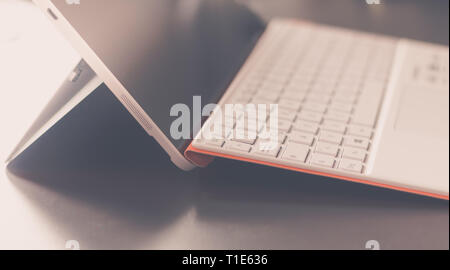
(334, 126)
(240, 98)
(356, 142)
(276, 78)
(318, 98)
(214, 142)
(321, 88)
(329, 79)
(360, 131)
(296, 152)
(232, 115)
(304, 126)
(327, 149)
(351, 165)
(341, 107)
(250, 126)
(337, 116)
(219, 133)
(258, 101)
(330, 137)
(267, 148)
(269, 96)
(310, 116)
(344, 89)
(364, 116)
(354, 153)
(229, 122)
(249, 86)
(221, 125)
(289, 104)
(297, 88)
(283, 126)
(280, 140)
(299, 137)
(245, 139)
(322, 160)
(296, 96)
(345, 98)
(347, 91)
(271, 87)
(315, 107)
(237, 146)
(286, 115)
(252, 119)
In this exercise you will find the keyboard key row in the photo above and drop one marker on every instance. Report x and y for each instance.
(329, 131)
(328, 89)
(323, 155)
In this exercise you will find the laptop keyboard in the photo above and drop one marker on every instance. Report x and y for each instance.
(328, 83)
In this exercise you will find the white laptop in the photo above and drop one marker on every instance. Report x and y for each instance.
(311, 98)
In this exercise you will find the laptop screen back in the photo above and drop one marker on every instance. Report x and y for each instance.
(164, 52)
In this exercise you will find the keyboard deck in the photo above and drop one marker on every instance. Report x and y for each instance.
(328, 83)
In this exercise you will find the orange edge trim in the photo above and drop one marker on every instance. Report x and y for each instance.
(199, 159)
(199, 151)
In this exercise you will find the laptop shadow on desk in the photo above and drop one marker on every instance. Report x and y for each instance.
(97, 172)
(291, 193)
(99, 178)
(263, 207)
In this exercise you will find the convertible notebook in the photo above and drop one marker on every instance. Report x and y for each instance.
(307, 97)
(335, 90)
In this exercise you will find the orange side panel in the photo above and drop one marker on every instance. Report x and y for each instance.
(190, 150)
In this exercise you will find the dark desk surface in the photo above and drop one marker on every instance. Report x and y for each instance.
(98, 178)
